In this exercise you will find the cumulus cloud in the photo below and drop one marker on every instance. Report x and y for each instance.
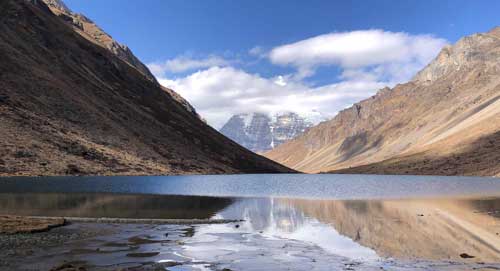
(368, 60)
(364, 49)
(220, 92)
(184, 63)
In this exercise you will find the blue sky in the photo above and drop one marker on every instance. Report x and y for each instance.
(229, 57)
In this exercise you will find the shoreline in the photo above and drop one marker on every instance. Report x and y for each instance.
(113, 220)
(14, 224)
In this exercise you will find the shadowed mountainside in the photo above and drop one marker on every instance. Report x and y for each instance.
(93, 33)
(72, 106)
(445, 121)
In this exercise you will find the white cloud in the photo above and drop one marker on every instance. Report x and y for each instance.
(184, 63)
(369, 60)
(220, 92)
(358, 49)
(280, 80)
(257, 51)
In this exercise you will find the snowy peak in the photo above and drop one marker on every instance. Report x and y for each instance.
(259, 132)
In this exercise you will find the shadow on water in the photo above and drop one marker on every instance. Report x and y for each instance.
(111, 205)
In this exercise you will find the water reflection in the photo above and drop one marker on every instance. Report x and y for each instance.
(111, 205)
(423, 229)
(429, 229)
(434, 229)
(278, 218)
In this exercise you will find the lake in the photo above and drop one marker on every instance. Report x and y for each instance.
(290, 222)
(317, 186)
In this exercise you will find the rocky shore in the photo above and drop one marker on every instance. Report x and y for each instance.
(105, 246)
(25, 237)
(15, 246)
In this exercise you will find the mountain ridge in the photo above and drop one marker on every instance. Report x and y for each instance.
(460, 89)
(92, 32)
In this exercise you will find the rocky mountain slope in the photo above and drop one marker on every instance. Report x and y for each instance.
(71, 103)
(258, 132)
(89, 30)
(446, 121)
(92, 32)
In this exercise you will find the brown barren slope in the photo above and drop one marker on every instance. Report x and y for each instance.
(445, 121)
(71, 106)
(93, 33)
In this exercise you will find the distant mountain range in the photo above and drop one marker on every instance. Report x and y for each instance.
(446, 121)
(259, 132)
(75, 101)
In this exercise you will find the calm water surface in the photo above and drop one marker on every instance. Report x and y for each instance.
(318, 186)
(366, 218)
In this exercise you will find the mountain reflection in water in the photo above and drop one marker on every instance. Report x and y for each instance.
(280, 218)
(408, 229)
(111, 205)
(430, 229)
(434, 229)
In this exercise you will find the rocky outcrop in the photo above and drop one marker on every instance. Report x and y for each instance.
(71, 106)
(258, 132)
(443, 111)
(89, 30)
(465, 54)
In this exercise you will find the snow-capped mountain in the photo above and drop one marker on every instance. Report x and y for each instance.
(259, 132)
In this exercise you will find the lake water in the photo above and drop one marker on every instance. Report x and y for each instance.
(297, 222)
(314, 186)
